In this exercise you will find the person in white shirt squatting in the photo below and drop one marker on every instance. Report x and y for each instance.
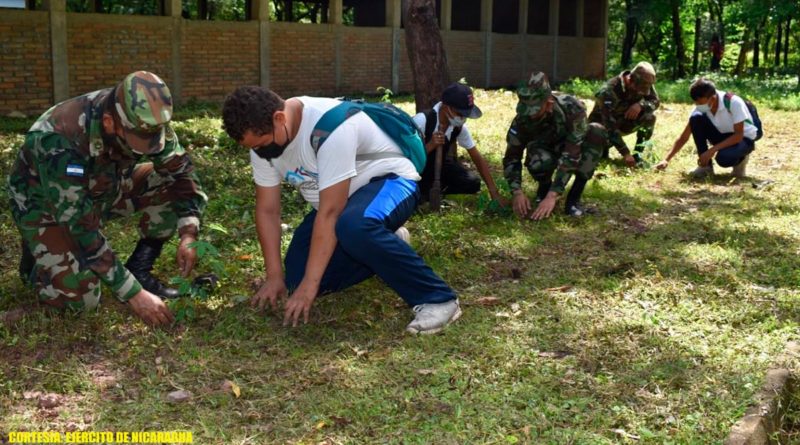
(355, 229)
(723, 120)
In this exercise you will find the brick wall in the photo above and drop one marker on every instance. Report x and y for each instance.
(26, 81)
(406, 79)
(302, 59)
(100, 52)
(540, 54)
(217, 57)
(366, 59)
(580, 57)
(466, 56)
(507, 59)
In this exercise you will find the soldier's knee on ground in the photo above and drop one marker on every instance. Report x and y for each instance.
(67, 289)
(647, 120)
(539, 162)
(58, 276)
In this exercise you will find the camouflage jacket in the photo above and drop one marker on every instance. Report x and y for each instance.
(561, 133)
(612, 100)
(68, 173)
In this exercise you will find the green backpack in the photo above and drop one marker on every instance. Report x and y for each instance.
(393, 121)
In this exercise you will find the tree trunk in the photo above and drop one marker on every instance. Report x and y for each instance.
(652, 50)
(677, 37)
(741, 63)
(778, 45)
(202, 9)
(425, 52)
(288, 11)
(786, 42)
(629, 41)
(696, 51)
(756, 47)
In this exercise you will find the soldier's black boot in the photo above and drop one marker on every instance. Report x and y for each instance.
(572, 206)
(26, 264)
(141, 263)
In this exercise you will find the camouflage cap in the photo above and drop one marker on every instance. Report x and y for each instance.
(533, 95)
(643, 76)
(144, 107)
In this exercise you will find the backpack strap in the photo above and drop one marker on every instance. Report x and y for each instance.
(726, 101)
(331, 120)
(430, 124)
(336, 116)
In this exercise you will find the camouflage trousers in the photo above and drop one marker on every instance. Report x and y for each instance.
(541, 163)
(60, 275)
(642, 125)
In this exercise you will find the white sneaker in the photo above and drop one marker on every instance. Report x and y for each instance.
(432, 318)
(403, 234)
(739, 170)
(702, 172)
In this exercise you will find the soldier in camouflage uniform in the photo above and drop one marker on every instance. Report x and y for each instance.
(553, 129)
(77, 168)
(627, 104)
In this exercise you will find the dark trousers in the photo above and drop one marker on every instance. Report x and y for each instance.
(367, 245)
(455, 179)
(704, 131)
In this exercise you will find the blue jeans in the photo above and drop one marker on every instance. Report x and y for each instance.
(704, 131)
(367, 245)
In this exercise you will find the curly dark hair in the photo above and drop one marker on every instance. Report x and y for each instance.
(250, 108)
(701, 88)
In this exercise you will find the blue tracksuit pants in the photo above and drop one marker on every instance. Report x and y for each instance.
(704, 131)
(367, 245)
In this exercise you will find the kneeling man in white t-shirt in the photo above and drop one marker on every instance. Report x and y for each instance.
(721, 119)
(360, 202)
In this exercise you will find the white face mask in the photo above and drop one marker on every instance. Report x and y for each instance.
(458, 121)
(705, 108)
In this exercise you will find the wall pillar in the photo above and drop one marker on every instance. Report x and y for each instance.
(394, 14)
(172, 9)
(260, 11)
(522, 29)
(486, 27)
(446, 15)
(58, 48)
(335, 18)
(605, 38)
(553, 31)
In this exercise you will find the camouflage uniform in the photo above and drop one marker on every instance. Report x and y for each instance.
(70, 177)
(560, 141)
(614, 99)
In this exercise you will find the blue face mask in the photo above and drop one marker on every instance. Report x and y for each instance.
(273, 149)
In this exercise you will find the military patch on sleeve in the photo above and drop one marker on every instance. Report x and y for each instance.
(75, 170)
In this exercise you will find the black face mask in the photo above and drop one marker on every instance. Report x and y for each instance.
(273, 149)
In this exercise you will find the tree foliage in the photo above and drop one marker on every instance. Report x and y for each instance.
(672, 33)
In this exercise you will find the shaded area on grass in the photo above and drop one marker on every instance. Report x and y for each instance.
(654, 318)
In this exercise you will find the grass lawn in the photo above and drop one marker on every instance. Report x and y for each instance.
(650, 322)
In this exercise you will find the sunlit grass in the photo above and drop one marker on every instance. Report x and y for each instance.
(655, 318)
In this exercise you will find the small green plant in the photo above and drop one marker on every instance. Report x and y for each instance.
(386, 94)
(197, 290)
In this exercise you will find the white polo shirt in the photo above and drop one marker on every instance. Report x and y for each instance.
(464, 138)
(336, 160)
(724, 119)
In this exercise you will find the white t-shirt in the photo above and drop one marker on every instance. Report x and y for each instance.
(336, 159)
(464, 138)
(725, 119)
